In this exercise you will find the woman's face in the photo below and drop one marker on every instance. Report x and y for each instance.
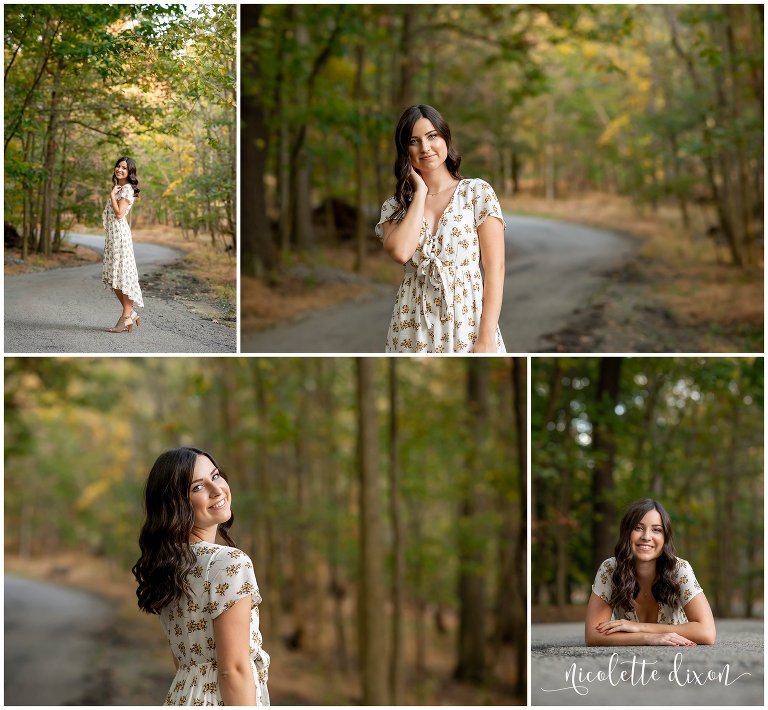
(647, 538)
(209, 494)
(427, 149)
(121, 170)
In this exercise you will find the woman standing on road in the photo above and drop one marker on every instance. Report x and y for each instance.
(205, 593)
(119, 272)
(436, 226)
(646, 595)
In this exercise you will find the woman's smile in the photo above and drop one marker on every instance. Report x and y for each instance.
(218, 505)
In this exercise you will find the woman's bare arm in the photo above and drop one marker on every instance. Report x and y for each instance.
(120, 207)
(401, 238)
(491, 237)
(232, 633)
(700, 627)
(633, 634)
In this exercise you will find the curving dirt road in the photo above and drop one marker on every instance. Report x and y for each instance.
(555, 648)
(68, 310)
(52, 649)
(552, 268)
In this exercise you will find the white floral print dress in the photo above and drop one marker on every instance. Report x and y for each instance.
(119, 261)
(440, 301)
(689, 588)
(222, 576)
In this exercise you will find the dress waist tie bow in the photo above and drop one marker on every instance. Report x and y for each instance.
(434, 272)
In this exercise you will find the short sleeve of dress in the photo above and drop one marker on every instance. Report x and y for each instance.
(388, 210)
(486, 204)
(230, 578)
(126, 194)
(689, 585)
(603, 585)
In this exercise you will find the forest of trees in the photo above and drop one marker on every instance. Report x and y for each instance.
(685, 431)
(663, 103)
(383, 501)
(85, 84)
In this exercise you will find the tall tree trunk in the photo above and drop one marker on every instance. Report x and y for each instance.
(231, 199)
(753, 557)
(682, 201)
(519, 598)
(471, 665)
(258, 254)
(396, 651)
(376, 143)
(373, 670)
(409, 62)
(49, 163)
(727, 155)
(416, 540)
(361, 142)
(550, 178)
(283, 168)
(300, 181)
(562, 539)
(736, 79)
(726, 536)
(269, 546)
(27, 235)
(58, 237)
(299, 554)
(326, 373)
(604, 449)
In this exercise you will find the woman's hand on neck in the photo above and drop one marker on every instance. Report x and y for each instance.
(203, 534)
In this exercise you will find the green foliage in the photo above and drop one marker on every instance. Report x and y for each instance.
(660, 102)
(688, 432)
(154, 82)
(84, 432)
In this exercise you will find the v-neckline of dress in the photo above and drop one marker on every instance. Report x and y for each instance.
(450, 202)
(659, 613)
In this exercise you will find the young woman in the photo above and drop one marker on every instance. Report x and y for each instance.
(646, 595)
(205, 593)
(119, 272)
(437, 226)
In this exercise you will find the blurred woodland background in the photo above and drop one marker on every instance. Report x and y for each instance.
(644, 119)
(383, 503)
(85, 84)
(685, 431)
(661, 103)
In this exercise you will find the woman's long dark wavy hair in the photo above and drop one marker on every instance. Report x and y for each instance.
(404, 190)
(132, 179)
(166, 556)
(625, 585)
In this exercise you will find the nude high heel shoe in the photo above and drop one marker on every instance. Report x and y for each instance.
(123, 325)
(136, 318)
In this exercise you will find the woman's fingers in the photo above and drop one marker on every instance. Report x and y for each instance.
(606, 625)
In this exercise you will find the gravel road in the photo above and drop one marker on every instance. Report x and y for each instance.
(68, 311)
(552, 268)
(739, 649)
(52, 647)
